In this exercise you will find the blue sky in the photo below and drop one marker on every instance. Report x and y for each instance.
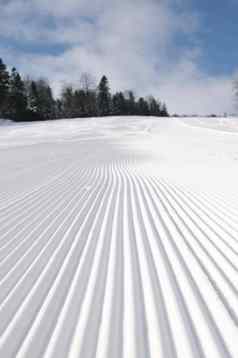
(218, 35)
(182, 51)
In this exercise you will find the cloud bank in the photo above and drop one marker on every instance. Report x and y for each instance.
(149, 46)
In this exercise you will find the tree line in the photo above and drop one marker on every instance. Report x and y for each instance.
(33, 100)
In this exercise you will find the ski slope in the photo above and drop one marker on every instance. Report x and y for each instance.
(119, 239)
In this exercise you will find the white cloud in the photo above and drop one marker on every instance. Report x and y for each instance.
(134, 43)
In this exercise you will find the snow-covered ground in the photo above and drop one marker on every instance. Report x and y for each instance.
(119, 238)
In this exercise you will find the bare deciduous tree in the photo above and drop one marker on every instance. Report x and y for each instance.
(87, 82)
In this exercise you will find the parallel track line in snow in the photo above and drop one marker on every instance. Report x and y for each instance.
(15, 213)
(21, 198)
(47, 212)
(214, 218)
(214, 206)
(100, 259)
(40, 211)
(209, 318)
(216, 240)
(63, 281)
(50, 272)
(47, 235)
(205, 267)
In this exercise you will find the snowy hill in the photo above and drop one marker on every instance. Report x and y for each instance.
(119, 238)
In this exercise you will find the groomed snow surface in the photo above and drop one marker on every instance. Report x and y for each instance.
(119, 238)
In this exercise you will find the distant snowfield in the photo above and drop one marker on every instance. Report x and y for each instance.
(119, 238)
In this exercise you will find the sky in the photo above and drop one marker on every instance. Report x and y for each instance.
(183, 52)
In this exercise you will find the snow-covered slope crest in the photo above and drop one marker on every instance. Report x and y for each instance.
(118, 239)
(227, 124)
(5, 122)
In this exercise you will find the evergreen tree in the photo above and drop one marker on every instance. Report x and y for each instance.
(33, 109)
(58, 109)
(154, 107)
(131, 103)
(45, 100)
(143, 107)
(116, 105)
(119, 104)
(33, 98)
(104, 98)
(164, 111)
(68, 102)
(40, 102)
(17, 97)
(80, 105)
(91, 103)
(4, 87)
(123, 104)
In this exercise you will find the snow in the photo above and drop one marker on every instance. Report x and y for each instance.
(118, 238)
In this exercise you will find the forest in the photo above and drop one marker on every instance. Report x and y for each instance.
(25, 99)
